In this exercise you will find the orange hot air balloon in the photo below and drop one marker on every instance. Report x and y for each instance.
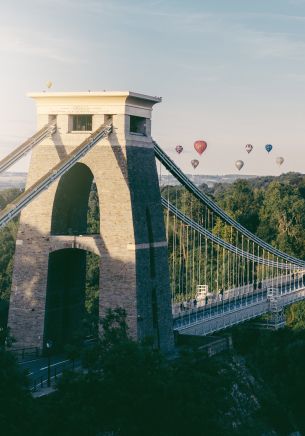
(200, 146)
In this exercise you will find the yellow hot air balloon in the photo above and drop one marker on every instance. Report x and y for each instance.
(49, 84)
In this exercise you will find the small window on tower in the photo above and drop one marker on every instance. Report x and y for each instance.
(137, 125)
(82, 123)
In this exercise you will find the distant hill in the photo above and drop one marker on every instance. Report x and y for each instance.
(18, 180)
(209, 180)
(12, 180)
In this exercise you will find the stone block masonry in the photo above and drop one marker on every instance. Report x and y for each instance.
(131, 243)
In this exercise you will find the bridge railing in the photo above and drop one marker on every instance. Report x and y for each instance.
(218, 306)
(26, 353)
(38, 383)
(286, 283)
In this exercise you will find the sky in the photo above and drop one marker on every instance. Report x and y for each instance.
(229, 72)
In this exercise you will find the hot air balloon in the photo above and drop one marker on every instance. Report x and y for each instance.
(280, 160)
(249, 148)
(49, 84)
(200, 146)
(179, 149)
(268, 147)
(195, 163)
(239, 164)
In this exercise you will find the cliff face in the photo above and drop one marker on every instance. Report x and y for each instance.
(267, 392)
(252, 384)
(248, 414)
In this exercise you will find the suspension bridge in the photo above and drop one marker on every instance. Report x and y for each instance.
(220, 273)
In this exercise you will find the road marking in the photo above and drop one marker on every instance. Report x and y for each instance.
(54, 364)
(54, 376)
(28, 361)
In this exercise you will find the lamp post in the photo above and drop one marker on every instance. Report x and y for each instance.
(49, 344)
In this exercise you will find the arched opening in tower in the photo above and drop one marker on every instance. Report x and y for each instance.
(76, 206)
(72, 301)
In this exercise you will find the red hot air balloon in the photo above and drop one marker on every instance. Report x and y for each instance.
(179, 149)
(195, 163)
(200, 146)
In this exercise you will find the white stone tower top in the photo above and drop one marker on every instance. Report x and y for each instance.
(118, 99)
(130, 111)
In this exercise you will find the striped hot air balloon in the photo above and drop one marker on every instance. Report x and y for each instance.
(195, 163)
(249, 148)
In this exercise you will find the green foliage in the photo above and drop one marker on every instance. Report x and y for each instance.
(93, 216)
(7, 244)
(240, 201)
(130, 389)
(91, 319)
(279, 358)
(274, 208)
(16, 405)
(282, 218)
(295, 316)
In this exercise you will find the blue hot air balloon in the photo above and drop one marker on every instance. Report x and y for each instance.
(268, 147)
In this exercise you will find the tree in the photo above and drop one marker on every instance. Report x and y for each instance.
(239, 201)
(7, 244)
(282, 218)
(17, 416)
(132, 390)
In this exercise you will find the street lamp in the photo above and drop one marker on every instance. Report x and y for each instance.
(49, 344)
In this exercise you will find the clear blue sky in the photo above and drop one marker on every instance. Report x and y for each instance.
(231, 72)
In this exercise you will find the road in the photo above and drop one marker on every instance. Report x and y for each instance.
(37, 368)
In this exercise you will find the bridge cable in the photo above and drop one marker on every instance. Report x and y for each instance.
(201, 196)
(218, 240)
(19, 152)
(57, 171)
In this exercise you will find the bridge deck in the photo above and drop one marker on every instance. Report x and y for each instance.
(226, 313)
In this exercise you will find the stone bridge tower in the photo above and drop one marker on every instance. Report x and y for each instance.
(47, 297)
